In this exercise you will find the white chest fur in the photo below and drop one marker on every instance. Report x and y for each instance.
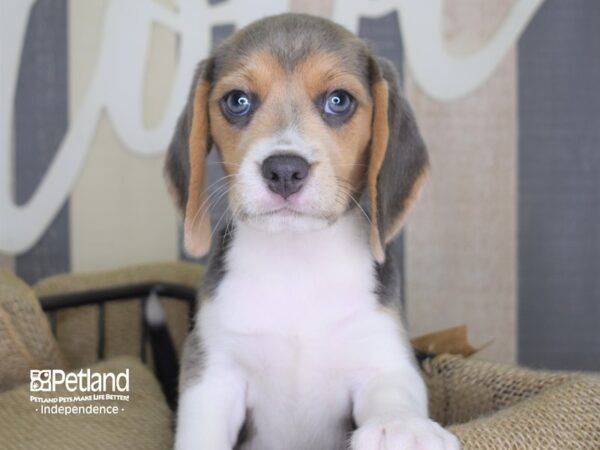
(299, 316)
(292, 283)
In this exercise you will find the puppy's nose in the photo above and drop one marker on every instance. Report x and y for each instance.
(285, 174)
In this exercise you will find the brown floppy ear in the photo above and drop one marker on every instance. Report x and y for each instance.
(398, 162)
(185, 164)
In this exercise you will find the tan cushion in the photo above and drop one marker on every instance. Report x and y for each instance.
(122, 318)
(15, 359)
(145, 422)
(25, 337)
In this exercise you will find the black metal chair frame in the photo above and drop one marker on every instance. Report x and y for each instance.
(165, 361)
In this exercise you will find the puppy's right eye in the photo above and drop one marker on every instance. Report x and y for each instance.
(338, 103)
(236, 104)
(337, 107)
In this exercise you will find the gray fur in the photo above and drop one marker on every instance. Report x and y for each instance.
(247, 432)
(216, 266)
(406, 157)
(389, 283)
(193, 361)
(292, 37)
(193, 358)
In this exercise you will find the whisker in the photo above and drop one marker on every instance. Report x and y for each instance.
(216, 227)
(229, 226)
(224, 191)
(217, 193)
(345, 188)
(361, 209)
(223, 178)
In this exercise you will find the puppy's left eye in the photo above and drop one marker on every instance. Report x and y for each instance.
(338, 103)
(238, 107)
(237, 103)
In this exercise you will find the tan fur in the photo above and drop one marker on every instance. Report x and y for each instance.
(409, 203)
(379, 144)
(288, 98)
(348, 154)
(197, 224)
(261, 74)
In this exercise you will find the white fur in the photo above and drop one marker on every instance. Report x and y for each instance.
(154, 312)
(295, 335)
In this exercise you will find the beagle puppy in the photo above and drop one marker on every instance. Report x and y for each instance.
(298, 343)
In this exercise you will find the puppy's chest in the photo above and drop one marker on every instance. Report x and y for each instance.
(296, 340)
(296, 316)
(294, 284)
(291, 317)
(297, 374)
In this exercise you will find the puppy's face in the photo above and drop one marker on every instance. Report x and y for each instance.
(304, 118)
(294, 139)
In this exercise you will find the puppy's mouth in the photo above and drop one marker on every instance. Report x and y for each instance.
(284, 211)
(286, 218)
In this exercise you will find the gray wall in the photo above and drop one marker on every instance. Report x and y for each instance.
(41, 119)
(559, 187)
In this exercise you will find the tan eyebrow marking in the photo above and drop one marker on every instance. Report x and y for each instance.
(256, 73)
(325, 71)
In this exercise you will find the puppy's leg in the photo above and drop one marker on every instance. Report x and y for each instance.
(211, 411)
(390, 409)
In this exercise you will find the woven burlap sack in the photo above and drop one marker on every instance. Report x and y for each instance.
(15, 359)
(26, 341)
(144, 423)
(77, 329)
(494, 406)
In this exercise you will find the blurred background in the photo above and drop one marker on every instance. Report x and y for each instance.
(506, 237)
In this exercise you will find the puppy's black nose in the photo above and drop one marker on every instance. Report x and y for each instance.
(285, 174)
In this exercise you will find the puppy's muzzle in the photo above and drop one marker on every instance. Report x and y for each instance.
(285, 174)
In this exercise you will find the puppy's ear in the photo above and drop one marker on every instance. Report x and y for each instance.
(185, 163)
(398, 162)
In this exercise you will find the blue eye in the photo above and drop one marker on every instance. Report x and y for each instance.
(237, 103)
(338, 103)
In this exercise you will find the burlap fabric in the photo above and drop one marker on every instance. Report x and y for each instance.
(493, 406)
(144, 423)
(122, 329)
(25, 338)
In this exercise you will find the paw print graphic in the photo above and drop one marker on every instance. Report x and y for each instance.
(40, 380)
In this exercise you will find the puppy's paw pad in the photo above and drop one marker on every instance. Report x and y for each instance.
(414, 433)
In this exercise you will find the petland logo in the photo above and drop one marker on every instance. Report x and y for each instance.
(88, 392)
(82, 381)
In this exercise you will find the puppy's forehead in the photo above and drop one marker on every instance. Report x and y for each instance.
(291, 39)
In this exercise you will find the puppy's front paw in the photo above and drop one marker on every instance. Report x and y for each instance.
(413, 433)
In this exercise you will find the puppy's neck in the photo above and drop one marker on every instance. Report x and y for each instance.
(319, 276)
(339, 244)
